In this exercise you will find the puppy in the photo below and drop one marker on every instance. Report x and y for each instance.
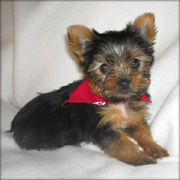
(106, 107)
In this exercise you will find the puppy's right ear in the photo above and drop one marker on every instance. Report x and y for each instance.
(78, 37)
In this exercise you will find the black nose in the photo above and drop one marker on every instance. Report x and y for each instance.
(124, 84)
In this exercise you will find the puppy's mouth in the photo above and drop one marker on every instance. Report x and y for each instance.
(116, 91)
(122, 89)
(120, 93)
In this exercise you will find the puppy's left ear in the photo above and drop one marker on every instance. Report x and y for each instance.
(146, 24)
(79, 36)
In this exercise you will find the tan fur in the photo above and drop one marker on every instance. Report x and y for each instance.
(78, 35)
(120, 116)
(127, 151)
(139, 82)
(124, 149)
(111, 83)
(142, 135)
(130, 113)
(136, 79)
(146, 22)
(95, 88)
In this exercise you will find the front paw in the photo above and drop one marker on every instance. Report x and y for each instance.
(142, 161)
(155, 150)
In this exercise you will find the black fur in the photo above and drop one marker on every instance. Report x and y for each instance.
(43, 124)
(102, 44)
(108, 60)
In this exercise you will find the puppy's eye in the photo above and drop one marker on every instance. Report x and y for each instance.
(135, 63)
(104, 68)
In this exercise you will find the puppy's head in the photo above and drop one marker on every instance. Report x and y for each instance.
(117, 63)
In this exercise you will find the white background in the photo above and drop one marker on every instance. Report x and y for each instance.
(35, 58)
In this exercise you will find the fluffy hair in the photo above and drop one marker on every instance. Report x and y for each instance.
(116, 65)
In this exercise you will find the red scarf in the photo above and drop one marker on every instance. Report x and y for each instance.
(83, 94)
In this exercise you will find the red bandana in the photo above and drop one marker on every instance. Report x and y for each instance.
(83, 94)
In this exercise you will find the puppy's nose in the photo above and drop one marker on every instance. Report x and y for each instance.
(124, 84)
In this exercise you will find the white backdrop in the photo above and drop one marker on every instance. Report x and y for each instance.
(35, 58)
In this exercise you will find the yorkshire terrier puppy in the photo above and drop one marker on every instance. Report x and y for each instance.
(108, 106)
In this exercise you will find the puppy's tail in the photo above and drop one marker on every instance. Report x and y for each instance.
(11, 130)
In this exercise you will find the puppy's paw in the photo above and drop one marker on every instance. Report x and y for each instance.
(143, 160)
(155, 150)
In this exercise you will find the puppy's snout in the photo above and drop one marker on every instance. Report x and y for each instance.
(124, 84)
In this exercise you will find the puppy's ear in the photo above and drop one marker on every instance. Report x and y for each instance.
(78, 37)
(146, 24)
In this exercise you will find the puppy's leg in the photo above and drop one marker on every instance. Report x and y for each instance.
(127, 151)
(119, 117)
(142, 135)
